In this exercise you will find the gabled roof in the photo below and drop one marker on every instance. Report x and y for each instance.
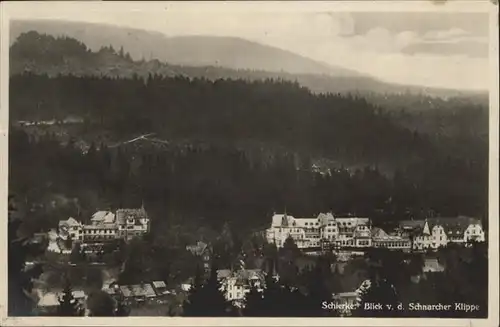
(78, 294)
(197, 249)
(324, 218)
(138, 290)
(103, 216)
(98, 216)
(432, 265)
(49, 300)
(250, 274)
(223, 273)
(69, 222)
(412, 224)
(123, 214)
(451, 225)
(159, 284)
(354, 220)
(379, 233)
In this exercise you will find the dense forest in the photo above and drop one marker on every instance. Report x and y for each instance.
(221, 184)
(274, 113)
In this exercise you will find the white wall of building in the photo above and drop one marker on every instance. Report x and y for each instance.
(311, 232)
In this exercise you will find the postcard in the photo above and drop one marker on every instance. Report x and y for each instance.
(249, 163)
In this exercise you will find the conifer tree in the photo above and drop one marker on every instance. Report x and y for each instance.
(317, 291)
(193, 307)
(253, 303)
(100, 304)
(20, 279)
(77, 254)
(122, 310)
(381, 291)
(68, 305)
(218, 305)
(207, 300)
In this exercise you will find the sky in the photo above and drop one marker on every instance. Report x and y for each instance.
(435, 49)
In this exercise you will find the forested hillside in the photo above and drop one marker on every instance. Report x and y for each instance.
(231, 112)
(218, 184)
(230, 150)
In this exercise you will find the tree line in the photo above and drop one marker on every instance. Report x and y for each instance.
(271, 112)
(221, 184)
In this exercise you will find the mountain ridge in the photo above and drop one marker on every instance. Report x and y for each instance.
(191, 50)
(173, 50)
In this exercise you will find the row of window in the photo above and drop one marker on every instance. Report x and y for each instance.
(343, 223)
(327, 230)
(99, 231)
(394, 244)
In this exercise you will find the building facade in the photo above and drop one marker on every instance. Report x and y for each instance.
(131, 222)
(380, 239)
(433, 233)
(353, 232)
(106, 226)
(236, 284)
(320, 231)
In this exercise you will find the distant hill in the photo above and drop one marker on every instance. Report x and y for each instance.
(43, 54)
(203, 56)
(229, 52)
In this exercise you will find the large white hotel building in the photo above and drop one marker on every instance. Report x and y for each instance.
(313, 232)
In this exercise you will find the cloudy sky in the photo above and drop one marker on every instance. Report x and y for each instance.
(441, 49)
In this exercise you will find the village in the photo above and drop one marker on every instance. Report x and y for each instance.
(348, 238)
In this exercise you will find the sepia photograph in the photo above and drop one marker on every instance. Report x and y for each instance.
(250, 160)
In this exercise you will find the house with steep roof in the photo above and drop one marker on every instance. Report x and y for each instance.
(132, 222)
(236, 284)
(71, 228)
(432, 233)
(107, 226)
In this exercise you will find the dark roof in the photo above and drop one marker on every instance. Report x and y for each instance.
(197, 249)
(451, 225)
(122, 214)
(450, 222)
(412, 224)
